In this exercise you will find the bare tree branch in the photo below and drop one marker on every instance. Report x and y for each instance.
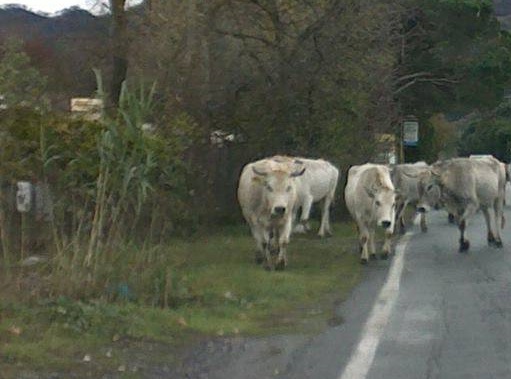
(435, 81)
(245, 36)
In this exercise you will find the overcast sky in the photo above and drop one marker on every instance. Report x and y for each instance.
(51, 6)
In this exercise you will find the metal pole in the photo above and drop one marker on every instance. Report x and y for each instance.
(401, 143)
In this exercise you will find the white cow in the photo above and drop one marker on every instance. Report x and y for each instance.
(318, 183)
(405, 178)
(267, 196)
(466, 185)
(505, 165)
(370, 198)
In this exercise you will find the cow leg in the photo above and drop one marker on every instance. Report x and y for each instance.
(299, 228)
(387, 245)
(306, 210)
(261, 244)
(470, 209)
(400, 207)
(325, 217)
(498, 213)
(282, 258)
(372, 246)
(284, 237)
(364, 241)
(424, 227)
(269, 251)
(464, 244)
(491, 237)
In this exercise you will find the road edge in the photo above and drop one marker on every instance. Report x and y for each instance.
(362, 357)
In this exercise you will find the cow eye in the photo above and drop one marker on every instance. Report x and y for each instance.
(288, 189)
(378, 203)
(429, 187)
(268, 187)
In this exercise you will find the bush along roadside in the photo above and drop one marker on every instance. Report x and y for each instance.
(113, 263)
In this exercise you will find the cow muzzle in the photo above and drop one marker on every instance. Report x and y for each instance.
(386, 224)
(278, 211)
(421, 209)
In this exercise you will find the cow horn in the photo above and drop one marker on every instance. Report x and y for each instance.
(435, 172)
(414, 176)
(257, 172)
(297, 173)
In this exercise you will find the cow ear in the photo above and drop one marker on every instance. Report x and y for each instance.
(369, 191)
(258, 172)
(297, 173)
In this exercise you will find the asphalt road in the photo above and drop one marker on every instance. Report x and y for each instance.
(430, 312)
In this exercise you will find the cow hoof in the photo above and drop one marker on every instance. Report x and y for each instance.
(372, 257)
(259, 260)
(451, 219)
(363, 261)
(384, 256)
(424, 229)
(280, 266)
(268, 267)
(498, 244)
(299, 229)
(464, 246)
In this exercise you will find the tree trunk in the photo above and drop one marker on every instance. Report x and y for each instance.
(119, 35)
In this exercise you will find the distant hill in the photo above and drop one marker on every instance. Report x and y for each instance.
(503, 12)
(17, 21)
(502, 7)
(64, 47)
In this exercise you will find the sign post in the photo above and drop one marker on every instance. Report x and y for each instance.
(409, 134)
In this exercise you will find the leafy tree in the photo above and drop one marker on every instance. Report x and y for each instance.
(20, 82)
(453, 57)
(489, 134)
(119, 37)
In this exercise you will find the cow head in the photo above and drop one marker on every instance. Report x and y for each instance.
(279, 189)
(430, 191)
(384, 204)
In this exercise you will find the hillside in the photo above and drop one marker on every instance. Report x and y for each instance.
(67, 46)
(64, 47)
(503, 12)
(502, 7)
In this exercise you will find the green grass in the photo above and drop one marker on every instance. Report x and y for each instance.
(216, 290)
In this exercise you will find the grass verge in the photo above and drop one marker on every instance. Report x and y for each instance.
(217, 291)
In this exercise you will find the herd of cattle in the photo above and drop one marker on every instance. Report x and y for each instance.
(271, 191)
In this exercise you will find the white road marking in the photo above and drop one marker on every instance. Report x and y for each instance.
(362, 357)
